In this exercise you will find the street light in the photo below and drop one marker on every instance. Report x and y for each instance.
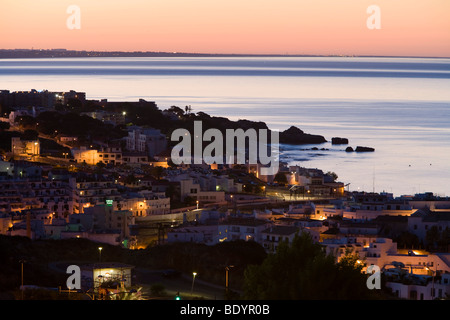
(197, 204)
(22, 288)
(432, 284)
(193, 279)
(227, 268)
(100, 253)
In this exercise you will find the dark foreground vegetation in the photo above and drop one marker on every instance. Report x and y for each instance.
(298, 271)
(43, 256)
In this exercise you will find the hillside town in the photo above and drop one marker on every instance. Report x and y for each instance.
(102, 170)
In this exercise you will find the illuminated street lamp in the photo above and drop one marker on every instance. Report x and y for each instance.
(432, 288)
(197, 204)
(227, 268)
(100, 253)
(193, 280)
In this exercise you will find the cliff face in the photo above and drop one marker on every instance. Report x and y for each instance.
(295, 136)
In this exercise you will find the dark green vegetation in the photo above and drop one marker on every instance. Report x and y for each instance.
(84, 127)
(302, 271)
(69, 120)
(297, 271)
(43, 256)
(148, 114)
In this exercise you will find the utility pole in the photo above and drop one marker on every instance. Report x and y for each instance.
(193, 280)
(227, 268)
(21, 276)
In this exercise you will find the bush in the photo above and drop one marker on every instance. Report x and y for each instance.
(158, 290)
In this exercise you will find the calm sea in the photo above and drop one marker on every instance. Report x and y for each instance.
(399, 106)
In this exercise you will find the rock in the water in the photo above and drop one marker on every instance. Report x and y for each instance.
(364, 149)
(338, 140)
(294, 135)
(349, 149)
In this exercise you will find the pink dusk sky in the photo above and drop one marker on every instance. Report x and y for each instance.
(322, 27)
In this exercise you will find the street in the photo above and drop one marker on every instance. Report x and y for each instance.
(181, 284)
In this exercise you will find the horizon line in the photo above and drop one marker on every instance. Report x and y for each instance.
(61, 50)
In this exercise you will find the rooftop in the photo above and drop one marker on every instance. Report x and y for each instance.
(281, 230)
(106, 265)
(244, 221)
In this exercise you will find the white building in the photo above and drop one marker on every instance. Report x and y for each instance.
(421, 288)
(53, 196)
(424, 220)
(274, 235)
(21, 147)
(147, 140)
(191, 188)
(89, 192)
(13, 115)
(199, 234)
(108, 155)
(93, 275)
(85, 155)
(361, 211)
(248, 229)
(144, 203)
(106, 218)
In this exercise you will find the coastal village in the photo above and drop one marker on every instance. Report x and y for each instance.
(74, 168)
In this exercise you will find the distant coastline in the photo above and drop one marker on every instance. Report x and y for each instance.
(66, 53)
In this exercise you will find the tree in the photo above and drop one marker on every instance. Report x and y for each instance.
(177, 110)
(445, 239)
(158, 290)
(171, 164)
(30, 134)
(302, 270)
(26, 121)
(99, 167)
(4, 126)
(157, 172)
(438, 240)
(189, 201)
(130, 179)
(407, 240)
(188, 109)
(432, 237)
(333, 175)
(280, 178)
(74, 104)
